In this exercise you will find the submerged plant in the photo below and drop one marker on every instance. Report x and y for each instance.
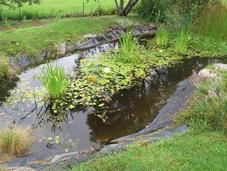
(181, 42)
(162, 37)
(55, 81)
(15, 141)
(127, 53)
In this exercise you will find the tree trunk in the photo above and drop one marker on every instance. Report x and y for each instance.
(131, 4)
(124, 11)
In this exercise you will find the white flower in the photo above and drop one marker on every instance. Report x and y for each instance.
(107, 70)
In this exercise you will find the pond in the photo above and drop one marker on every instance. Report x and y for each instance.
(129, 111)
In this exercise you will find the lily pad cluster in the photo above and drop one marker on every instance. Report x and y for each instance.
(101, 77)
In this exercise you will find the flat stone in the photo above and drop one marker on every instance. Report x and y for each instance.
(61, 48)
(89, 35)
(207, 73)
(22, 169)
(221, 66)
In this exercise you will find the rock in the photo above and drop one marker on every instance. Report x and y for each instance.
(20, 61)
(207, 73)
(22, 169)
(89, 36)
(61, 48)
(220, 66)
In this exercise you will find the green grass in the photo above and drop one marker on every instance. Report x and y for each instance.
(183, 152)
(61, 8)
(162, 37)
(55, 81)
(208, 108)
(30, 40)
(213, 22)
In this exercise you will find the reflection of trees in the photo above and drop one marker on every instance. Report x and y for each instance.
(128, 113)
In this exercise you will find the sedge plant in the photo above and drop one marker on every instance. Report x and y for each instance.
(55, 81)
(162, 37)
(127, 52)
(181, 42)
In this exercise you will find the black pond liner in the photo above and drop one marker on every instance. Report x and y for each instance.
(129, 111)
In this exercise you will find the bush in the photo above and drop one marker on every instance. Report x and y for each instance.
(213, 22)
(15, 141)
(154, 10)
(181, 42)
(55, 81)
(162, 37)
(127, 52)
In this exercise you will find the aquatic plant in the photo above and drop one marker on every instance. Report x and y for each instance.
(15, 141)
(54, 80)
(181, 42)
(127, 52)
(162, 37)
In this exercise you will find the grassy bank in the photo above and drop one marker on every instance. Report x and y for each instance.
(32, 39)
(61, 8)
(205, 151)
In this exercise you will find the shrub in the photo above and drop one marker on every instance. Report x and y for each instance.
(55, 81)
(162, 37)
(153, 10)
(213, 22)
(181, 42)
(15, 141)
(127, 52)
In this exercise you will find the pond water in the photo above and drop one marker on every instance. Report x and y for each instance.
(129, 111)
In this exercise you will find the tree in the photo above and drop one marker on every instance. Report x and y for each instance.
(124, 10)
(20, 3)
(2, 4)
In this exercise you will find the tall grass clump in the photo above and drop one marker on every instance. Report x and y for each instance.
(208, 110)
(162, 37)
(14, 142)
(213, 22)
(181, 42)
(55, 81)
(127, 52)
(4, 68)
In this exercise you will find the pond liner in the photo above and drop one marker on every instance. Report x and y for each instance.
(159, 75)
(183, 91)
(156, 131)
(110, 36)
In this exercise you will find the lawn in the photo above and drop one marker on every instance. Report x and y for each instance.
(32, 39)
(62, 8)
(190, 151)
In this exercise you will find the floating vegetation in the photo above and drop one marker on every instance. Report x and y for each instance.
(102, 77)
